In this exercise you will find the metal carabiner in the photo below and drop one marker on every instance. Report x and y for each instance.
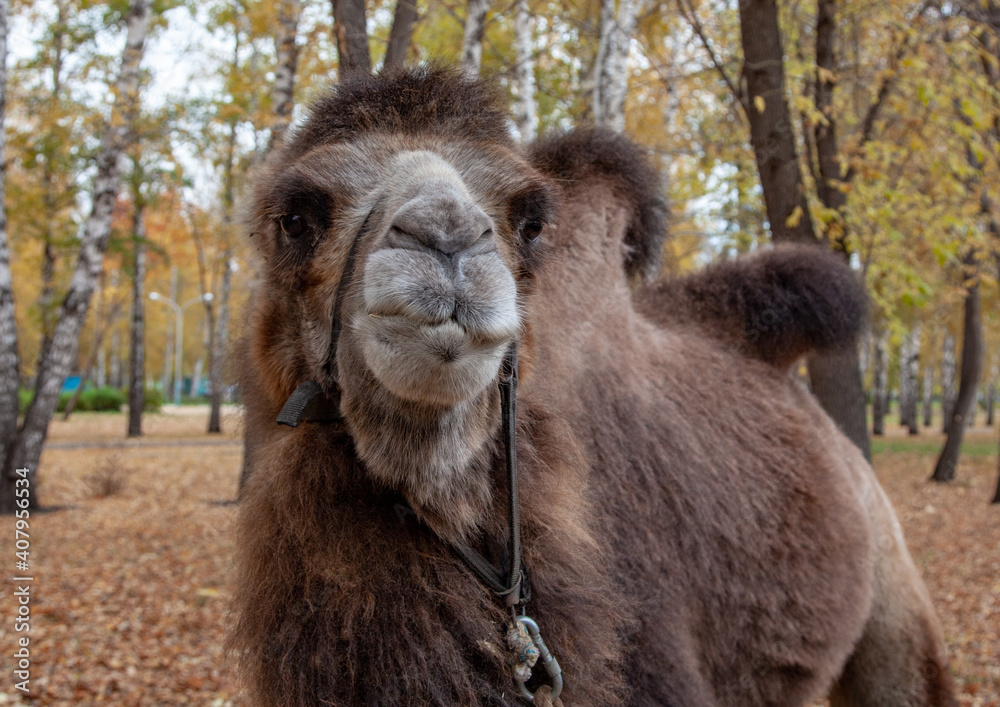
(545, 656)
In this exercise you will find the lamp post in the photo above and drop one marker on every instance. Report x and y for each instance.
(179, 333)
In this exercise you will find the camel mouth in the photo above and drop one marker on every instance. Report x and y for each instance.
(455, 334)
(432, 333)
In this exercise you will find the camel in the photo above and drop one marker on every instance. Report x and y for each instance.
(693, 529)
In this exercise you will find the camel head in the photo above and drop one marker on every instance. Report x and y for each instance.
(413, 226)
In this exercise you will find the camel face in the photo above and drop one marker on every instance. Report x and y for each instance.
(441, 240)
(439, 303)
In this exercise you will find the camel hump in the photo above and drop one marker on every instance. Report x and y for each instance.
(589, 153)
(775, 305)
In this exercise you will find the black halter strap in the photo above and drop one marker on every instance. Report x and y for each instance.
(509, 583)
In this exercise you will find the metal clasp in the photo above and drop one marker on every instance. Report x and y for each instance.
(545, 656)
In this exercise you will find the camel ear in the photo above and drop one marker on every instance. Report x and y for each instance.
(586, 153)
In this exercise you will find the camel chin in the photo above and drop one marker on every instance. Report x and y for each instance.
(432, 330)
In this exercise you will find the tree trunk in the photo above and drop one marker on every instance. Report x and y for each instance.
(880, 392)
(770, 123)
(865, 352)
(352, 36)
(196, 376)
(991, 398)
(282, 93)
(836, 382)
(101, 370)
(401, 34)
(611, 74)
(66, 337)
(10, 362)
(137, 328)
(947, 381)
(830, 186)
(472, 38)
(909, 352)
(220, 302)
(928, 403)
(835, 375)
(220, 343)
(524, 75)
(46, 300)
(115, 365)
(166, 383)
(972, 364)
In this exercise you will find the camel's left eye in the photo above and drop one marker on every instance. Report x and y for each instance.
(292, 225)
(531, 229)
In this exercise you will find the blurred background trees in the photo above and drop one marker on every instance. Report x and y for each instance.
(870, 128)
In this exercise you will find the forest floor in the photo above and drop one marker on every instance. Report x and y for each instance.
(130, 589)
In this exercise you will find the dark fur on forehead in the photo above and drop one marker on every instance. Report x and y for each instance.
(595, 152)
(417, 101)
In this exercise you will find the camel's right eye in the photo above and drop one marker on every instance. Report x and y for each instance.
(532, 229)
(292, 225)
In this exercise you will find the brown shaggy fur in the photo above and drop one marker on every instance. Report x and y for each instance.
(698, 531)
(775, 305)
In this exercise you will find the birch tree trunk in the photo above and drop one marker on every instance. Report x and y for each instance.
(101, 369)
(472, 39)
(93, 370)
(611, 70)
(908, 353)
(928, 404)
(137, 327)
(220, 301)
(524, 74)
(352, 36)
(835, 376)
(947, 380)
(166, 384)
(196, 375)
(46, 298)
(880, 392)
(282, 93)
(27, 448)
(401, 34)
(115, 365)
(10, 363)
(972, 366)
(220, 342)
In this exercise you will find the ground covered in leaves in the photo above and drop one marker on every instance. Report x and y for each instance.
(131, 564)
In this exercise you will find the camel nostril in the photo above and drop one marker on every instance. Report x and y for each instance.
(442, 217)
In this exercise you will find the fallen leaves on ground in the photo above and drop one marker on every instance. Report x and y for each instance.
(130, 590)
